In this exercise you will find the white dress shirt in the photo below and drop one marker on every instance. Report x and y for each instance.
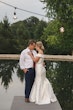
(25, 59)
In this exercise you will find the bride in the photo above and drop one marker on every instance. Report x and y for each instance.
(42, 92)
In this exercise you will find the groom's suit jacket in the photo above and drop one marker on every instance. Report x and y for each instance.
(25, 59)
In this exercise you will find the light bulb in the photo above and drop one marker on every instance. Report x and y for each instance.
(62, 29)
(14, 17)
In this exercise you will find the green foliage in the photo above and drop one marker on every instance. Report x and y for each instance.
(40, 29)
(64, 81)
(14, 38)
(62, 14)
(60, 75)
(6, 70)
(52, 38)
(30, 24)
(62, 9)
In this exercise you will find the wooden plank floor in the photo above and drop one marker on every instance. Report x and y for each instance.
(19, 104)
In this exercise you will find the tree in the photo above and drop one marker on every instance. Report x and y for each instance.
(21, 34)
(63, 12)
(31, 24)
(40, 29)
(63, 82)
(14, 38)
(52, 38)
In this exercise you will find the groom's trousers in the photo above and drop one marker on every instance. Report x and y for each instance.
(29, 80)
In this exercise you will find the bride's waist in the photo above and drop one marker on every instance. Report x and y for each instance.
(39, 63)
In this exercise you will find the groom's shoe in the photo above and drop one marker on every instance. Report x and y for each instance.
(27, 100)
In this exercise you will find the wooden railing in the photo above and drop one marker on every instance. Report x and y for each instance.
(46, 57)
(9, 57)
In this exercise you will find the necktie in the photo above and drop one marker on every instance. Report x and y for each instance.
(33, 61)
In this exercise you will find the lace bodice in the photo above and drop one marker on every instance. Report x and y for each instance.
(41, 60)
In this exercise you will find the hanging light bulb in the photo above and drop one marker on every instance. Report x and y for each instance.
(15, 17)
(62, 29)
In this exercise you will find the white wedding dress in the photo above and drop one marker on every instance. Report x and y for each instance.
(42, 92)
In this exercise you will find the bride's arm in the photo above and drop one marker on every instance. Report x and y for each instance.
(35, 59)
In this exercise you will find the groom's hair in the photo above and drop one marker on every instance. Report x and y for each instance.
(31, 42)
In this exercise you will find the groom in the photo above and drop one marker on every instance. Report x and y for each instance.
(27, 65)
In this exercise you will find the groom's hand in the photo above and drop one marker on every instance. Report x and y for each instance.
(25, 70)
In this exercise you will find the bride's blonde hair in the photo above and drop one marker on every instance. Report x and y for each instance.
(40, 45)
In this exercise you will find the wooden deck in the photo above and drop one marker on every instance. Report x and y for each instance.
(19, 104)
(46, 57)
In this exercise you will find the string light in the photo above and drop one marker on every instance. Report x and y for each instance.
(15, 17)
(22, 9)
